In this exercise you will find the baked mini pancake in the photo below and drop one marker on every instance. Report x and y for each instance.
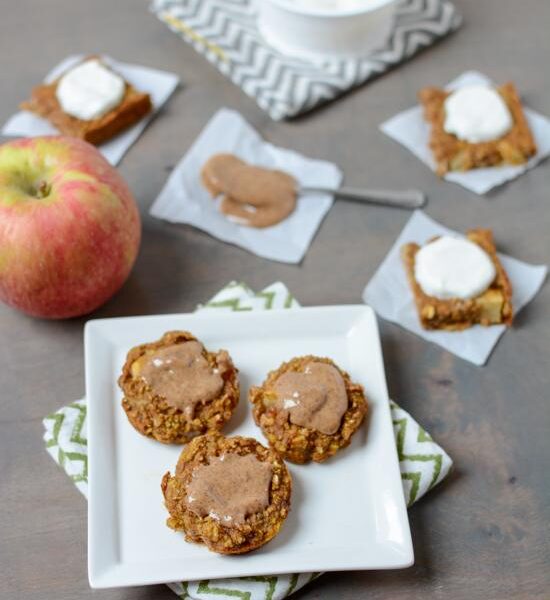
(175, 389)
(308, 408)
(514, 146)
(231, 494)
(490, 306)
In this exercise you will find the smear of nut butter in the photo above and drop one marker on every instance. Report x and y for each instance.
(182, 375)
(230, 488)
(315, 398)
(252, 196)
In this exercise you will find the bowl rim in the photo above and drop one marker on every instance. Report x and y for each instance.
(327, 13)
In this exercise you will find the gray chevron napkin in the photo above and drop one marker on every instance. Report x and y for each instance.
(225, 33)
(422, 462)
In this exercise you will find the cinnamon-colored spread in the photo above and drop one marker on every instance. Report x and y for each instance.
(182, 375)
(230, 488)
(315, 398)
(252, 196)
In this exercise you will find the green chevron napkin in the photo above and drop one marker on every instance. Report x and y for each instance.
(423, 463)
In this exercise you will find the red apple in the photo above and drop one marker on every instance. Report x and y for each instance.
(69, 227)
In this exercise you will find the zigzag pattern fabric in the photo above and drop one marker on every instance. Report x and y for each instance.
(422, 462)
(66, 441)
(225, 32)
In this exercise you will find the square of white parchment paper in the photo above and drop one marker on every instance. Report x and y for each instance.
(158, 84)
(389, 293)
(410, 129)
(184, 199)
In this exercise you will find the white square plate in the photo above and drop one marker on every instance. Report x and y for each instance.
(348, 513)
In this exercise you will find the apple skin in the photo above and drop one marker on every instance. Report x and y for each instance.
(69, 227)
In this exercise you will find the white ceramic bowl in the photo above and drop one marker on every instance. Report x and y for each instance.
(302, 30)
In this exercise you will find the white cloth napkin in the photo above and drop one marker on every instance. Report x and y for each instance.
(410, 129)
(185, 200)
(388, 292)
(158, 84)
(423, 463)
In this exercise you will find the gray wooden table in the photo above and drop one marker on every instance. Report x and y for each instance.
(484, 533)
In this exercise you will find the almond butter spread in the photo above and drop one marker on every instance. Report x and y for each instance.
(182, 375)
(315, 398)
(252, 196)
(230, 488)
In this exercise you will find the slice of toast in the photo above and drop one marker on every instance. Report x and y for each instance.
(133, 107)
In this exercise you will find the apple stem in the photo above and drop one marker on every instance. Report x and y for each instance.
(43, 189)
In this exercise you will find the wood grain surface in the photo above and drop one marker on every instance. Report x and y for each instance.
(484, 533)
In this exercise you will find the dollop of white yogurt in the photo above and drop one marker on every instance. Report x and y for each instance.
(453, 267)
(477, 113)
(89, 90)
